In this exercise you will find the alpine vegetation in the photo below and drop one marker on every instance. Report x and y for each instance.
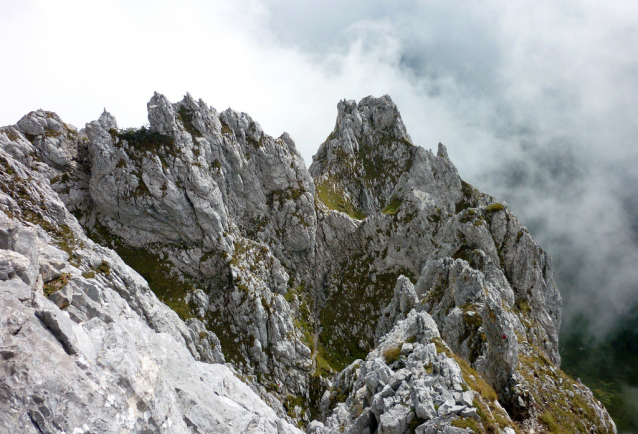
(194, 276)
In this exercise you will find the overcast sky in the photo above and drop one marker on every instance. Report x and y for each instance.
(536, 101)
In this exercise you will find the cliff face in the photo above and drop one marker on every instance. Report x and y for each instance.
(145, 272)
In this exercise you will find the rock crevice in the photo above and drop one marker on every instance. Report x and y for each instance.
(193, 276)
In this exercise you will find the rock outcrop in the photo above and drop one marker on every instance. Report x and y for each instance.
(86, 346)
(194, 276)
(413, 381)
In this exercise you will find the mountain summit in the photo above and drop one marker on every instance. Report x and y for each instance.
(195, 277)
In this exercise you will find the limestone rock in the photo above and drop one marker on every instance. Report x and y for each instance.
(12, 263)
(426, 383)
(232, 260)
(111, 358)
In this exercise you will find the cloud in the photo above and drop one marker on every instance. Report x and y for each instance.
(537, 105)
(535, 101)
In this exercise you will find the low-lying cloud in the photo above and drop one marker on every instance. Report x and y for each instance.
(537, 105)
(535, 101)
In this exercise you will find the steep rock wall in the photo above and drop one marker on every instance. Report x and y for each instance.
(380, 252)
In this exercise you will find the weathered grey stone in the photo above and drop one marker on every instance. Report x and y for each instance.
(18, 289)
(386, 250)
(115, 358)
(395, 420)
(58, 323)
(24, 241)
(425, 410)
(50, 269)
(470, 412)
(387, 391)
(227, 180)
(12, 263)
(406, 348)
(62, 297)
(466, 398)
(446, 407)
(442, 428)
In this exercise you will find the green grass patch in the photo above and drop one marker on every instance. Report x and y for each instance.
(225, 128)
(523, 306)
(334, 198)
(491, 415)
(469, 198)
(548, 420)
(466, 422)
(391, 355)
(143, 139)
(291, 402)
(495, 207)
(282, 196)
(304, 326)
(561, 413)
(393, 207)
(104, 268)
(186, 117)
(56, 284)
(162, 277)
(323, 367)
(353, 302)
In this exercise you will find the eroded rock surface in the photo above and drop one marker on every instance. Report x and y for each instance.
(87, 347)
(375, 292)
(413, 381)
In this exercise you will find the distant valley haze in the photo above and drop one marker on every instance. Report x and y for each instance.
(535, 101)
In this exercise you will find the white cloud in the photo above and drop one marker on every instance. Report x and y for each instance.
(536, 101)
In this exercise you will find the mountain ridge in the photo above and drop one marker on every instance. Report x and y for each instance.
(371, 291)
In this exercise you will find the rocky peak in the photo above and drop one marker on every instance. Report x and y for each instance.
(161, 115)
(53, 142)
(369, 116)
(384, 295)
(38, 122)
(107, 121)
(364, 156)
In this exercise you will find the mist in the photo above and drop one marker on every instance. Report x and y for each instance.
(536, 102)
(537, 107)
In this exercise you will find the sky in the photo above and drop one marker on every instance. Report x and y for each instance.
(535, 101)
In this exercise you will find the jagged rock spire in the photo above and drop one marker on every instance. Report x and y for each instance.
(439, 291)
